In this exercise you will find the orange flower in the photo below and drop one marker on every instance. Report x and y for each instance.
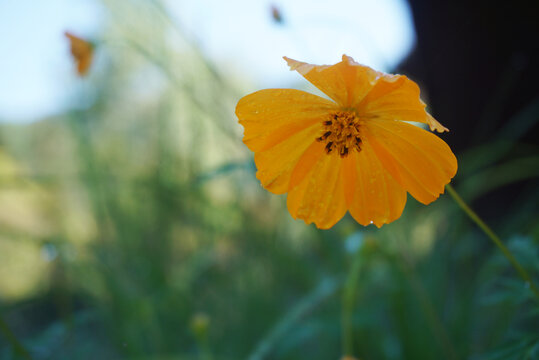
(82, 52)
(352, 153)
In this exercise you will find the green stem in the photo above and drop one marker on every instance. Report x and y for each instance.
(12, 339)
(348, 300)
(429, 311)
(325, 289)
(492, 236)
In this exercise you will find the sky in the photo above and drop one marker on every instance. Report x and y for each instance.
(37, 75)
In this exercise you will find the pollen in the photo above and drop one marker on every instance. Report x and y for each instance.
(341, 132)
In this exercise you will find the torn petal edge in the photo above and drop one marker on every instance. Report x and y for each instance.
(435, 125)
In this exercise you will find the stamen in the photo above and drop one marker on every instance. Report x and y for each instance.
(329, 147)
(324, 137)
(342, 132)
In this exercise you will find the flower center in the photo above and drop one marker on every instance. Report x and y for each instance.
(341, 133)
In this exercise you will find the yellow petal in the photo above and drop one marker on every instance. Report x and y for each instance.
(280, 124)
(418, 160)
(319, 198)
(272, 115)
(305, 164)
(275, 164)
(435, 125)
(349, 178)
(346, 82)
(378, 199)
(395, 97)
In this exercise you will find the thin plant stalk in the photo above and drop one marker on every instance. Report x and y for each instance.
(348, 301)
(427, 307)
(327, 288)
(18, 347)
(492, 236)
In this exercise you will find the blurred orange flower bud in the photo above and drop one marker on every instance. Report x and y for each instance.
(276, 14)
(82, 52)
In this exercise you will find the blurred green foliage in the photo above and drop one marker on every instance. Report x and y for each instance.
(132, 227)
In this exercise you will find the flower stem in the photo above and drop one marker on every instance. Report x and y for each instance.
(348, 302)
(327, 288)
(429, 311)
(492, 236)
(12, 339)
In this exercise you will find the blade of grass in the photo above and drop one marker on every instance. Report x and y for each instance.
(427, 307)
(322, 292)
(495, 239)
(18, 347)
(349, 295)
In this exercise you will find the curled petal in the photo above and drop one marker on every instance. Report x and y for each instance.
(395, 97)
(346, 82)
(435, 125)
(319, 197)
(418, 160)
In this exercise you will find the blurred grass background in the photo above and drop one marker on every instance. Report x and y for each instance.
(132, 227)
